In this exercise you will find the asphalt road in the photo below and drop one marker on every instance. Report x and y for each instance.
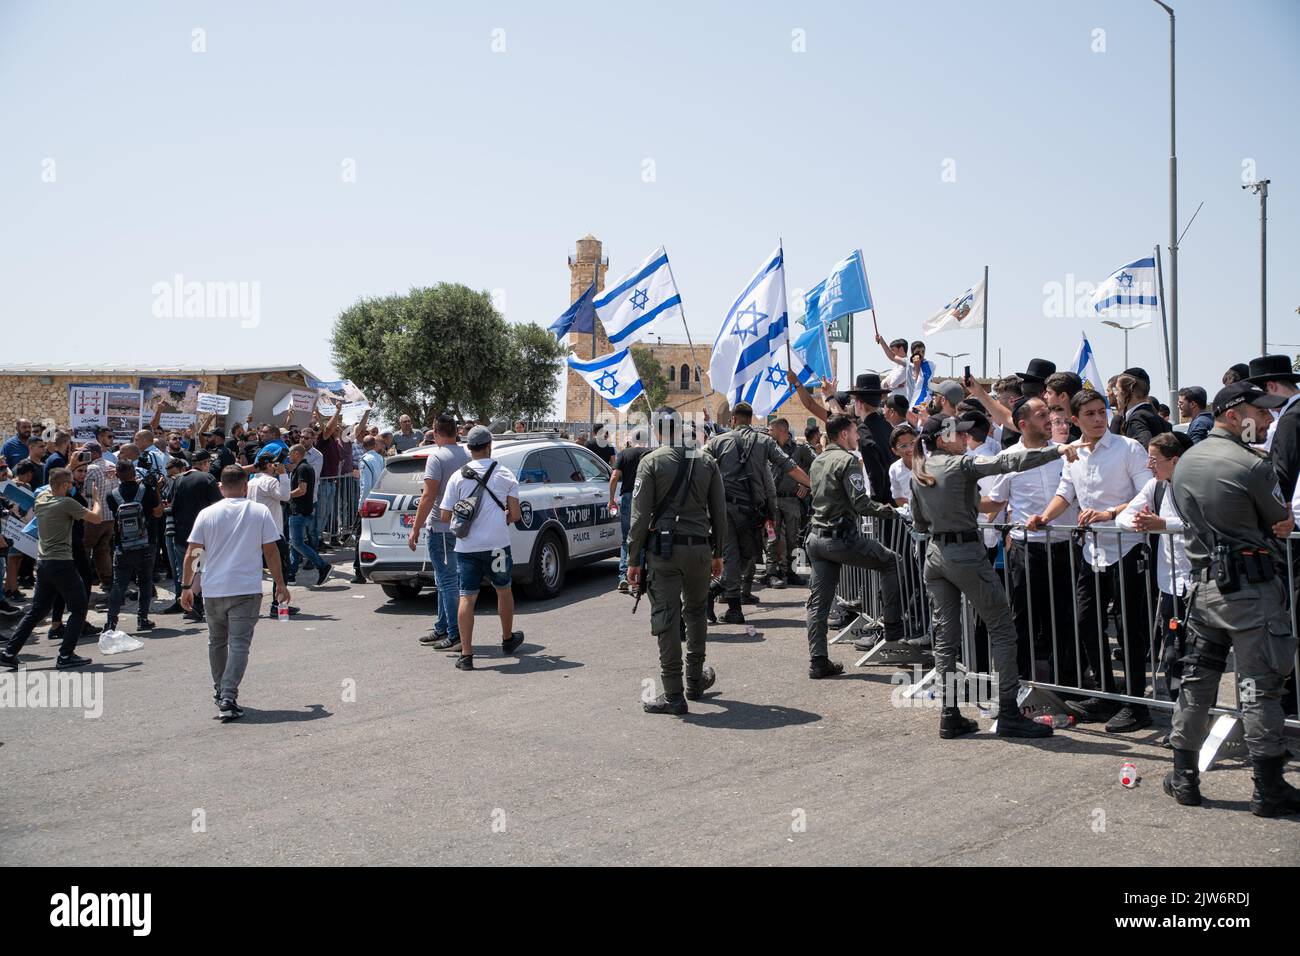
(362, 747)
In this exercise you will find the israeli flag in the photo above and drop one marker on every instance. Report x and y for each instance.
(922, 394)
(614, 377)
(1129, 291)
(639, 300)
(1084, 365)
(748, 362)
(844, 291)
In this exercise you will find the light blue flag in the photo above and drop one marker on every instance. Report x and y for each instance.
(814, 350)
(845, 290)
(613, 376)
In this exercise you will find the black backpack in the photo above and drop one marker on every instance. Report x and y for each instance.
(132, 522)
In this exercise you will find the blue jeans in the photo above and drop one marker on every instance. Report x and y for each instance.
(625, 522)
(442, 556)
(299, 525)
(326, 522)
(176, 555)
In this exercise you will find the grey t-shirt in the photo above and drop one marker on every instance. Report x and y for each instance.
(407, 442)
(443, 462)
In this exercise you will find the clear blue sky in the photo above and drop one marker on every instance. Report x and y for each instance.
(483, 168)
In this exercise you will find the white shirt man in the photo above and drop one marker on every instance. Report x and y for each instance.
(271, 490)
(1171, 579)
(900, 482)
(1106, 478)
(988, 448)
(490, 530)
(1028, 493)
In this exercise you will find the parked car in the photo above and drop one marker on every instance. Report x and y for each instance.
(565, 519)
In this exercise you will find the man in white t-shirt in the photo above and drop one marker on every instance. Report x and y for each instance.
(236, 535)
(485, 551)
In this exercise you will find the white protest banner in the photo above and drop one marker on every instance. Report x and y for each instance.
(23, 541)
(88, 407)
(209, 404)
(176, 421)
(297, 400)
(241, 410)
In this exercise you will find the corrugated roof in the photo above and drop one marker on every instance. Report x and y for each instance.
(154, 371)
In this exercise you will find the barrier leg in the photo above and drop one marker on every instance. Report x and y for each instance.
(1226, 738)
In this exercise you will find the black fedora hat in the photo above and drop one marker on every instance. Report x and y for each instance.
(868, 383)
(1272, 368)
(1038, 371)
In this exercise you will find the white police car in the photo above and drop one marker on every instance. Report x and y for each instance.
(565, 518)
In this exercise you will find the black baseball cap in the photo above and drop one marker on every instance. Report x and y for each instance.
(1244, 393)
(934, 425)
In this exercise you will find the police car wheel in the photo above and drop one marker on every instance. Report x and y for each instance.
(549, 566)
(402, 592)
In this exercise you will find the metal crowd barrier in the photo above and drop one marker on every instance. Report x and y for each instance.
(1069, 664)
(340, 521)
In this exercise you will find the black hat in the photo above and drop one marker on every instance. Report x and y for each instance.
(979, 423)
(1138, 372)
(867, 385)
(1271, 368)
(1038, 370)
(201, 454)
(1241, 368)
(843, 399)
(898, 403)
(934, 425)
(1244, 393)
(219, 432)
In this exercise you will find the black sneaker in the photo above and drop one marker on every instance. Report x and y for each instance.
(465, 662)
(9, 660)
(820, 667)
(1129, 719)
(56, 632)
(324, 573)
(776, 582)
(145, 625)
(672, 704)
(733, 615)
(1012, 723)
(432, 638)
(748, 599)
(228, 710)
(868, 642)
(794, 581)
(953, 724)
(173, 608)
(8, 610)
(1092, 710)
(71, 660)
(709, 678)
(448, 643)
(90, 630)
(512, 644)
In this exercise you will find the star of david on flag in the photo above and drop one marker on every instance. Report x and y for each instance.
(966, 311)
(1129, 292)
(748, 361)
(631, 307)
(613, 376)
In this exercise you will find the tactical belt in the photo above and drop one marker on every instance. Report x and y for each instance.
(690, 539)
(956, 537)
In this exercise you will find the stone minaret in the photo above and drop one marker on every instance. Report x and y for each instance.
(585, 264)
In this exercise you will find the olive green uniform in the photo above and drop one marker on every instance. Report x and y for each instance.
(1228, 496)
(835, 538)
(787, 514)
(743, 455)
(678, 583)
(956, 562)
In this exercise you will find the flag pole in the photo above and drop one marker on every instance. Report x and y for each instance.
(681, 307)
(985, 371)
(1164, 326)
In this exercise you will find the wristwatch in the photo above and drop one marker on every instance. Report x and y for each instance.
(186, 587)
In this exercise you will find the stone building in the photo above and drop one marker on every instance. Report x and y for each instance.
(687, 368)
(40, 393)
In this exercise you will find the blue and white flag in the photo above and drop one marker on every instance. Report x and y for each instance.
(922, 393)
(639, 301)
(614, 376)
(1084, 365)
(1130, 292)
(844, 291)
(748, 362)
(813, 349)
(966, 311)
(579, 317)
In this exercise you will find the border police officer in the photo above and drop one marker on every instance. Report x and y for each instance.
(840, 501)
(787, 513)
(945, 505)
(1230, 501)
(679, 517)
(743, 455)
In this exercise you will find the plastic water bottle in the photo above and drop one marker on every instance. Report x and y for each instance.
(1128, 775)
(749, 630)
(1056, 721)
(283, 614)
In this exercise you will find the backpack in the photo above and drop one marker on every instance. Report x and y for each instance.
(466, 510)
(132, 523)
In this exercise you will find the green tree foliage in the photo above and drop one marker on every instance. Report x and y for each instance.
(653, 378)
(445, 347)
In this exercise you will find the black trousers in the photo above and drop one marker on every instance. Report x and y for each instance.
(1042, 606)
(131, 566)
(54, 578)
(82, 562)
(1125, 584)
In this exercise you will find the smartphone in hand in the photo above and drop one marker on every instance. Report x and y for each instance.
(966, 380)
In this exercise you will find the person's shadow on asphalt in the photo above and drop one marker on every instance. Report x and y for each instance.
(742, 715)
(528, 661)
(254, 716)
